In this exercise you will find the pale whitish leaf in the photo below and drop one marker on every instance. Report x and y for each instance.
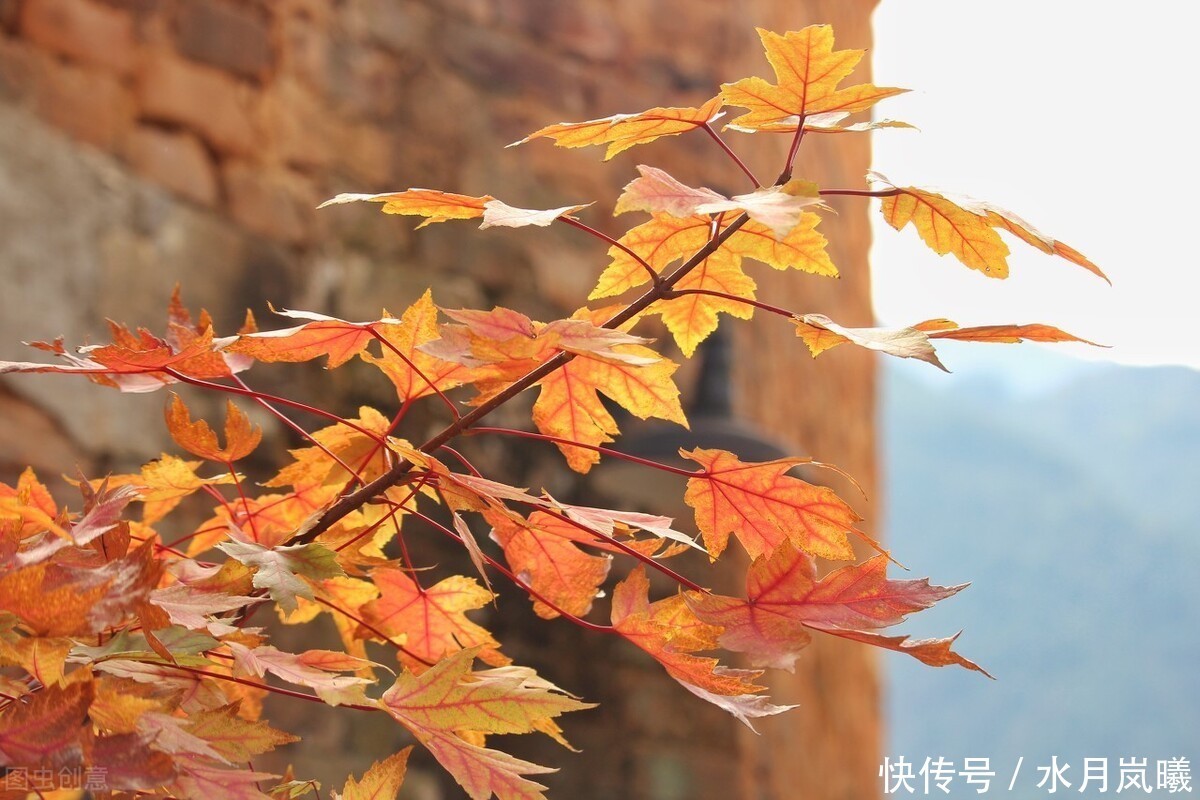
(498, 214)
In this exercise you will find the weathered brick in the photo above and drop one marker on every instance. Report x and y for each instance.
(304, 52)
(230, 37)
(82, 30)
(206, 100)
(297, 129)
(174, 160)
(89, 105)
(272, 202)
(397, 25)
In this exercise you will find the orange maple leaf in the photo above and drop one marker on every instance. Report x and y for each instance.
(622, 131)
(764, 507)
(431, 623)
(413, 372)
(198, 439)
(808, 71)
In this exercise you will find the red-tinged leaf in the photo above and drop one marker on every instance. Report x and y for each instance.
(170, 734)
(127, 765)
(198, 780)
(622, 131)
(235, 739)
(808, 71)
(501, 215)
(434, 205)
(778, 208)
(934, 652)
(198, 439)
(126, 368)
(337, 339)
(553, 566)
(448, 698)
(382, 781)
(764, 507)
(192, 608)
(1003, 334)
(657, 191)
(101, 515)
(280, 570)
(46, 726)
(669, 632)
(332, 688)
(783, 596)
(412, 371)
(431, 623)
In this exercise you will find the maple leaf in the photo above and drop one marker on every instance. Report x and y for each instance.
(198, 439)
(431, 622)
(776, 207)
(381, 782)
(779, 208)
(198, 780)
(28, 507)
(934, 652)
(820, 333)
(569, 404)
(665, 239)
(784, 598)
(808, 71)
(49, 722)
(657, 191)
(192, 607)
(412, 371)
(764, 507)
(552, 565)
(824, 122)
(338, 339)
(669, 632)
(622, 131)
(235, 739)
(967, 227)
(498, 214)
(42, 657)
(434, 205)
(448, 698)
(312, 669)
(102, 514)
(280, 569)
(163, 483)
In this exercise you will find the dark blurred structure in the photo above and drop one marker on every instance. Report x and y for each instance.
(149, 142)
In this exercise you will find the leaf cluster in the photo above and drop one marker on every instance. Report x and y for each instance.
(125, 650)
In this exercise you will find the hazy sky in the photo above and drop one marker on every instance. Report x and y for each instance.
(1075, 115)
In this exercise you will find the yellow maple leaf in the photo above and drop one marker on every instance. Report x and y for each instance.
(622, 131)
(808, 71)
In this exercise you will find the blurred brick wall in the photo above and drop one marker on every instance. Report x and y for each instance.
(149, 142)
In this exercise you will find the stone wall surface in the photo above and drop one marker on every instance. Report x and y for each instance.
(145, 143)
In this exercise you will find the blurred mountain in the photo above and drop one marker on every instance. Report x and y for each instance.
(1074, 512)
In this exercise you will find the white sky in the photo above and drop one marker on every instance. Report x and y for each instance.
(1077, 116)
